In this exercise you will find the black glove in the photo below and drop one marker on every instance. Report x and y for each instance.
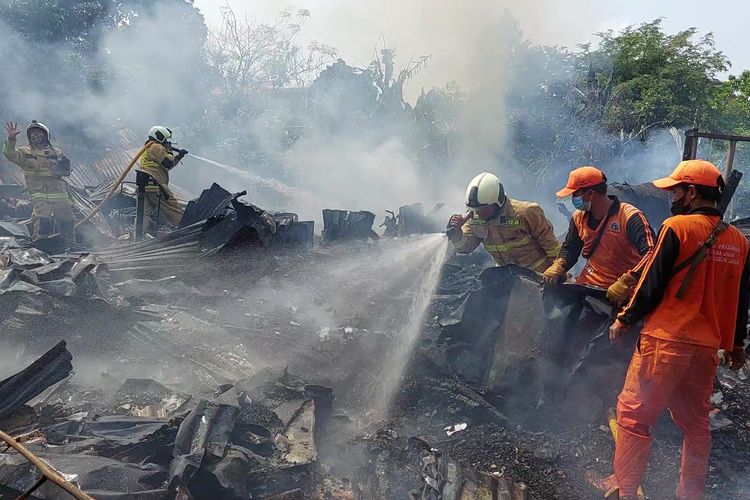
(181, 153)
(62, 168)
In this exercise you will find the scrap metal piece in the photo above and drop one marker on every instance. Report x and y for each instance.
(346, 225)
(148, 398)
(203, 435)
(300, 436)
(444, 479)
(212, 201)
(54, 366)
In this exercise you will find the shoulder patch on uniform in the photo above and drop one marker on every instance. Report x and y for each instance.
(509, 221)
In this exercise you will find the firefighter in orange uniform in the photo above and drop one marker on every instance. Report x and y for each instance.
(693, 294)
(614, 237)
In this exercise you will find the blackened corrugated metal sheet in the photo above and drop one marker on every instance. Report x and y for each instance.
(176, 249)
(211, 202)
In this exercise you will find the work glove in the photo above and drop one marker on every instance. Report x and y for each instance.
(620, 291)
(737, 357)
(454, 225)
(181, 153)
(457, 220)
(555, 273)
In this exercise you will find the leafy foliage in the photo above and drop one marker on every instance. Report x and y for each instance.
(610, 103)
(642, 78)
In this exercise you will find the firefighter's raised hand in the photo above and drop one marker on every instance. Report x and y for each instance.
(12, 130)
(457, 220)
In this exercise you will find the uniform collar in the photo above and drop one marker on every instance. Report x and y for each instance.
(615, 205)
(704, 211)
(613, 209)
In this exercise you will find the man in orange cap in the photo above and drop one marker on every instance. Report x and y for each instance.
(614, 237)
(693, 295)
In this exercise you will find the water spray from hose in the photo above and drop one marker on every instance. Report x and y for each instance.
(273, 184)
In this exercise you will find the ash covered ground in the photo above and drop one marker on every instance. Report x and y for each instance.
(335, 317)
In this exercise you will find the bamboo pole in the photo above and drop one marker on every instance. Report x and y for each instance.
(117, 184)
(47, 472)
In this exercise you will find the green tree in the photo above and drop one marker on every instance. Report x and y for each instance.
(77, 23)
(642, 78)
(732, 104)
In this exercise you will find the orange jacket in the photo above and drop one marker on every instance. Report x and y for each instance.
(713, 311)
(625, 246)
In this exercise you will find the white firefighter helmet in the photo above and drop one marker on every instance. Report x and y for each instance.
(159, 134)
(36, 124)
(483, 190)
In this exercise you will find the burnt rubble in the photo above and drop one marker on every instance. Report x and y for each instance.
(254, 439)
(243, 432)
(198, 372)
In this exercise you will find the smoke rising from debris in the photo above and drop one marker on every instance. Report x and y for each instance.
(375, 170)
(150, 72)
(133, 78)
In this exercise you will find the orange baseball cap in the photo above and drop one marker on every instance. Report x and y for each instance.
(580, 178)
(697, 172)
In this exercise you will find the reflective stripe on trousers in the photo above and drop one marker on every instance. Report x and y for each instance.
(51, 197)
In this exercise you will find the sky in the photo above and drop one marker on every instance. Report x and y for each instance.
(448, 29)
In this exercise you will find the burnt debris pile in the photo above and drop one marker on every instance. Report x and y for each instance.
(204, 362)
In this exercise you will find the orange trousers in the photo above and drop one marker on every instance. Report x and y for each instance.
(664, 374)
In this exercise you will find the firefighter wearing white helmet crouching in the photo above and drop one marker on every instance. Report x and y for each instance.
(153, 172)
(512, 231)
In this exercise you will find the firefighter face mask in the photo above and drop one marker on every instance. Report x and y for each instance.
(37, 137)
(580, 204)
(679, 201)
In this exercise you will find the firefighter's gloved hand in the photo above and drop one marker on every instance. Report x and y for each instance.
(737, 357)
(555, 273)
(620, 291)
(454, 226)
(457, 220)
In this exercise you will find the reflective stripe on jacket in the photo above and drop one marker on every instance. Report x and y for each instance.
(521, 234)
(41, 162)
(43, 171)
(156, 162)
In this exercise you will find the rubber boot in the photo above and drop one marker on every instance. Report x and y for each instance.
(631, 455)
(694, 467)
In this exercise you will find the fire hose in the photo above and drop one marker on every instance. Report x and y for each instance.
(48, 473)
(117, 183)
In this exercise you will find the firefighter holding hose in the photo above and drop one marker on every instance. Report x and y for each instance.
(44, 167)
(693, 296)
(512, 231)
(155, 164)
(614, 237)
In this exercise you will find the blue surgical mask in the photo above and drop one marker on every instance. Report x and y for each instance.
(579, 204)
